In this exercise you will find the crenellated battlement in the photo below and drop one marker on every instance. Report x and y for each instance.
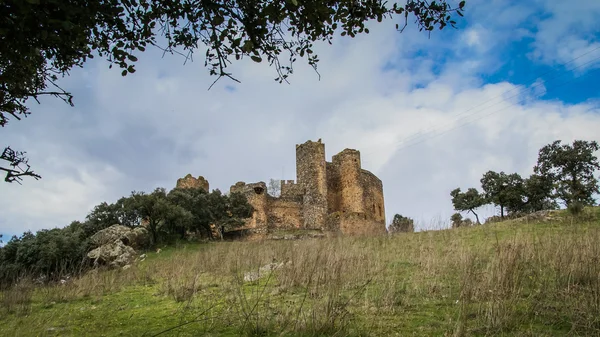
(289, 188)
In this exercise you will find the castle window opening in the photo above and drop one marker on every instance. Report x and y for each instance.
(380, 213)
(258, 190)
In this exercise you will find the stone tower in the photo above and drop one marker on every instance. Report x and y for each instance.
(312, 177)
(348, 163)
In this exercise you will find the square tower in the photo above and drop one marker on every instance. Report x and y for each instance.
(311, 176)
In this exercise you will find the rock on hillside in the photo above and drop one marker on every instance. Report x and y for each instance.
(136, 238)
(114, 246)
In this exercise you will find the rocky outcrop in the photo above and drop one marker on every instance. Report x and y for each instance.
(115, 246)
(136, 238)
(114, 254)
(540, 216)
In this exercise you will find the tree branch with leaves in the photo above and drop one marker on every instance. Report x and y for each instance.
(41, 41)
(467, 201)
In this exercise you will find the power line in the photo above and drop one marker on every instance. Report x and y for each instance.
(417, 134)
(421, 133)
(486, 115)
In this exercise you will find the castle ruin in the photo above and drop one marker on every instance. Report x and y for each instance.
(190, 182)
(336, 196)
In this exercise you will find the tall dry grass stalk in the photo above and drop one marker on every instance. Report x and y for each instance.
(485, 280)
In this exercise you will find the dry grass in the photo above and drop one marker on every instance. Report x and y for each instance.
(505, 278)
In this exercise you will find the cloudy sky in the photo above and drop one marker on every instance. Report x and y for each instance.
(427, 114)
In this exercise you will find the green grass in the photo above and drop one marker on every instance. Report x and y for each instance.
(508, 278)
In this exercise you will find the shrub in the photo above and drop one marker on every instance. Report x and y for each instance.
(402, 224)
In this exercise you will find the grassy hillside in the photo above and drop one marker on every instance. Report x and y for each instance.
(514, 277)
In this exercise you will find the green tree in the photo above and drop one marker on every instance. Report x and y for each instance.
(571, 168)
(100, 217)
(238, 210)
(538, 194)
(224, 211)
(158, 211)
(456, 220)
(43, 40)
(503, 190)
(51, 253)
(123, 212)
(467, 201)
(195, 201)
(401, 224)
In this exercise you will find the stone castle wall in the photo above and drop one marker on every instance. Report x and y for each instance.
(257, 196)
(336, 196)
(347, 163)
(290, 189)
(373, 196)
(311, 174)
(190, 182)
(285, 213)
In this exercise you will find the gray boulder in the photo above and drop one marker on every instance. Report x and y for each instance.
(114, 254)
(115, 246)
(109, 235)
(136, 238)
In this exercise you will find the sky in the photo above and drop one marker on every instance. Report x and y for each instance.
(428, 114)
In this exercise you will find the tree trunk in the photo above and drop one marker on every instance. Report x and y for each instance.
(574, 193)
(502, 211)
(152, 226)
(476, 216)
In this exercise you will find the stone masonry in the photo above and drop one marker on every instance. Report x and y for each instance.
(190, 182)
(336, 196)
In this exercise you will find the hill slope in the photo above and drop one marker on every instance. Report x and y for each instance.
(514, 277)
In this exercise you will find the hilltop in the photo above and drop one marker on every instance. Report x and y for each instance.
(526, 277)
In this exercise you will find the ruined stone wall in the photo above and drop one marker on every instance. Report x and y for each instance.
(373, 196)
(334, 193)
(285, 213)
(290, 189)
(360, 224)
(349, 171)
(311, 175)
(337, 196)
(354, 224)
(256, 193)
(190, 182)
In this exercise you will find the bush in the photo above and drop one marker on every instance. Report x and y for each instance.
(575, 208)
(402, 224)
(49, 254)
(458, 221)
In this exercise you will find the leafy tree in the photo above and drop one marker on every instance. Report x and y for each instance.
(100, 217)
(214, 208)
(237, 211)
(571, 168)
(49, 252)
(456, 219)
(123, 212)
(503, 190)
(467, 201)
(538, 194)
(401, 224)
(157, 210)
(44, 40)
(195, 201)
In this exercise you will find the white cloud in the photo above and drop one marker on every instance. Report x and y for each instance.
(148, 129)
(569, 30)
